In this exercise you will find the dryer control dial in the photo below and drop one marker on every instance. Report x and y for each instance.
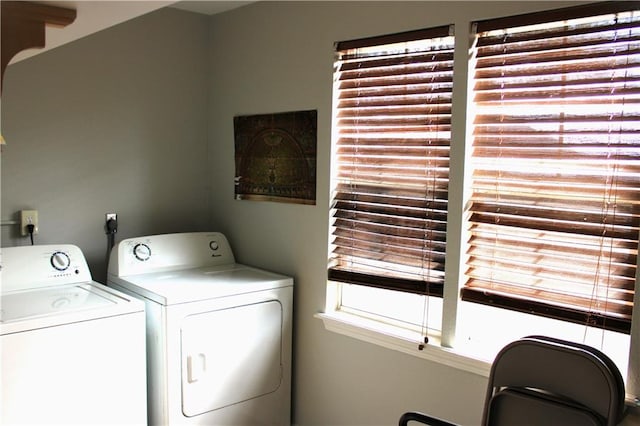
(142, 252)
(60, 260)
(214, 246)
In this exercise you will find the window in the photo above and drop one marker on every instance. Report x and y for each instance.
(550, 224)
(555, 209)
(393, 124)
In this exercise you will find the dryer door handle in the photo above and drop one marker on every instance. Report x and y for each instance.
(196, 367)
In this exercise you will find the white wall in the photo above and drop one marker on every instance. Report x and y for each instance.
(115, 122)
(272, 57)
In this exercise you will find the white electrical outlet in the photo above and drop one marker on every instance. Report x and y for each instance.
(28, 217)
(111, 227)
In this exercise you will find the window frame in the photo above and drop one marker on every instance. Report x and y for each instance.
(444, 348)
(356, 214)
(609, 235)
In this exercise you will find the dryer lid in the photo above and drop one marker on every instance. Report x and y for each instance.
(191, 285)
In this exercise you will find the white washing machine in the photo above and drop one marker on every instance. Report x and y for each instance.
(73, 350)
(218, 333)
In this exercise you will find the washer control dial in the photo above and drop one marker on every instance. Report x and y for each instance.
(60, 260)
(142, 252)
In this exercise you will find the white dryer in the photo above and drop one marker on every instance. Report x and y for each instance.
(218, 333)
(73, 350)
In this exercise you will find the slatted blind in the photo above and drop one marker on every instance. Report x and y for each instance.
(393, 129)
(555, 210)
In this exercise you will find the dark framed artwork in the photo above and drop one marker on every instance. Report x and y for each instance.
(275, 157)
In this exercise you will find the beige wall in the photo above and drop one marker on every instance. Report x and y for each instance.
(272, 57)
(115, 122)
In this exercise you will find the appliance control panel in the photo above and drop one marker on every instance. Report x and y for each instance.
(29, 267)
(166, 252)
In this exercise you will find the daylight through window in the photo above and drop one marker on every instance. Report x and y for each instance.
(555, 209)
(393, 130)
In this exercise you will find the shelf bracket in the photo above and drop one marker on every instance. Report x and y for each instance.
(23, 27)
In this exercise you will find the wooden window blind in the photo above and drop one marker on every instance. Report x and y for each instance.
(392, 128)
(555, 208)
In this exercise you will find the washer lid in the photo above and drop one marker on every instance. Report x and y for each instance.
(191, 285)
(57, 305)
(49, 301)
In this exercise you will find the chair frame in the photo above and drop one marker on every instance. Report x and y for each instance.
(538, 367)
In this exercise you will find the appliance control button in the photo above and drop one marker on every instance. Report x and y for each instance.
(214, 245)
(60, 260)
(142, 252)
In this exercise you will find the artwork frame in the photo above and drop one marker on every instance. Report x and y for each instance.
(276, 157)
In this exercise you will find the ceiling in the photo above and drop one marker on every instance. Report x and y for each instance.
(209, 7)
(94, 16)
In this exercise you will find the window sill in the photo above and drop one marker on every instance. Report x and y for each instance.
(403, 341)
